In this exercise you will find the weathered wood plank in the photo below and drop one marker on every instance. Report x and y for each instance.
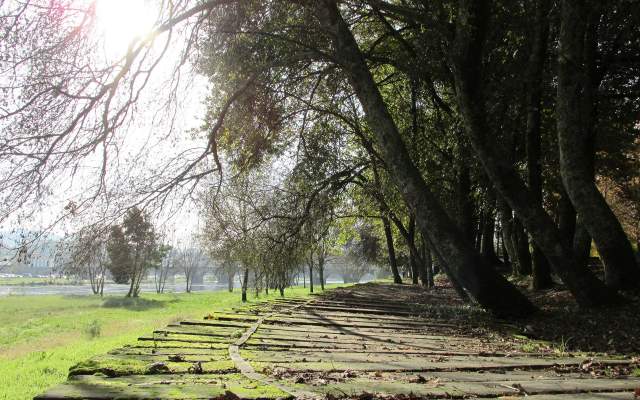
(183, 386)
(348, 361)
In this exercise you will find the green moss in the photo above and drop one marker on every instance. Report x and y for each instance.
(168, 387)
(113, 366)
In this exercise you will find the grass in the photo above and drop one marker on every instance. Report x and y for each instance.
(41, 337)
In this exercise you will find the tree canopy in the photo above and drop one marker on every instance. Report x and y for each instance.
(474, 137)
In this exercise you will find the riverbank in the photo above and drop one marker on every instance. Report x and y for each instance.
(41, 337)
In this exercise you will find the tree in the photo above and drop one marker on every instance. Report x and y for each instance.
(132, 249)
(119, 255)
(429, 122)
(165, 267)
(577, 85)
(192, 260)
(85, 255)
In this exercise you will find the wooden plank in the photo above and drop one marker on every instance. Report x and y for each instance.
(385, 342)
(183, 386)
(332, 330)
(439, 389)
(350, 325)
(177, 342)
(348, 361)
(357, 321)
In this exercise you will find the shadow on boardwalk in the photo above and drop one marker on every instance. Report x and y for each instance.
(366, 341)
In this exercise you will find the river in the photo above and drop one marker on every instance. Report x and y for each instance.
(109, 288)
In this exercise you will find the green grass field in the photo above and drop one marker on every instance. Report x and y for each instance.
(42, 336)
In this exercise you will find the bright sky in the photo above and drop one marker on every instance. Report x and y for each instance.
(122, 21)
(147, 144)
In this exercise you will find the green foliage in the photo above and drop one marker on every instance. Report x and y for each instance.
(133, 248)
(118, 255)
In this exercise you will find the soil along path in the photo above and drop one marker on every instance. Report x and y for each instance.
(367, 341)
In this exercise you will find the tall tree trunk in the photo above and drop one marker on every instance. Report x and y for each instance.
(540, 265)
(464, 212)
(477, 240)
(245, 284)
(310, 263)
(428, 264)
(520, 242)
(582, 244)
(393, 262)
(566, 218)
(487, 246)
(413, 252)
(506, 221)
(487, 287)
(472, 20)
(575, 118)
(321, 260)
(231, 275)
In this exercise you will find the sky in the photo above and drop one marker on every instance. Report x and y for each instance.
(147, 142)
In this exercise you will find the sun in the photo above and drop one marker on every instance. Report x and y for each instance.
(120, 22)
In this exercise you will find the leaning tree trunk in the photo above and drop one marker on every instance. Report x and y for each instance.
(393, 262)
(442, 264)
(575, 109)
(490, 289)
(540, 266)
(566, 218)
(582, 244)
(472, 21)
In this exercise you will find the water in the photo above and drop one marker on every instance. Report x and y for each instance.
(112, 288)
(109, 288)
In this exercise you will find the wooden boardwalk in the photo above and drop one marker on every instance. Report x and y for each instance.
(365, 342)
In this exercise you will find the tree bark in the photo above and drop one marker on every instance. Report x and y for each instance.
(413, 251)
(321, 260)
(464, 214)
(540, 266)
(566, 218)
(473, 17)
(393, 262)
(428, 264)
(582, 244)
(310, 263)
(488, 288)
(487, 246)
(575, 119)
(245, 284)
(521, 243)
(506, 221)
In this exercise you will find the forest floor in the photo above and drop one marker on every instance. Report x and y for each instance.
(561, 324)
(373, 340)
